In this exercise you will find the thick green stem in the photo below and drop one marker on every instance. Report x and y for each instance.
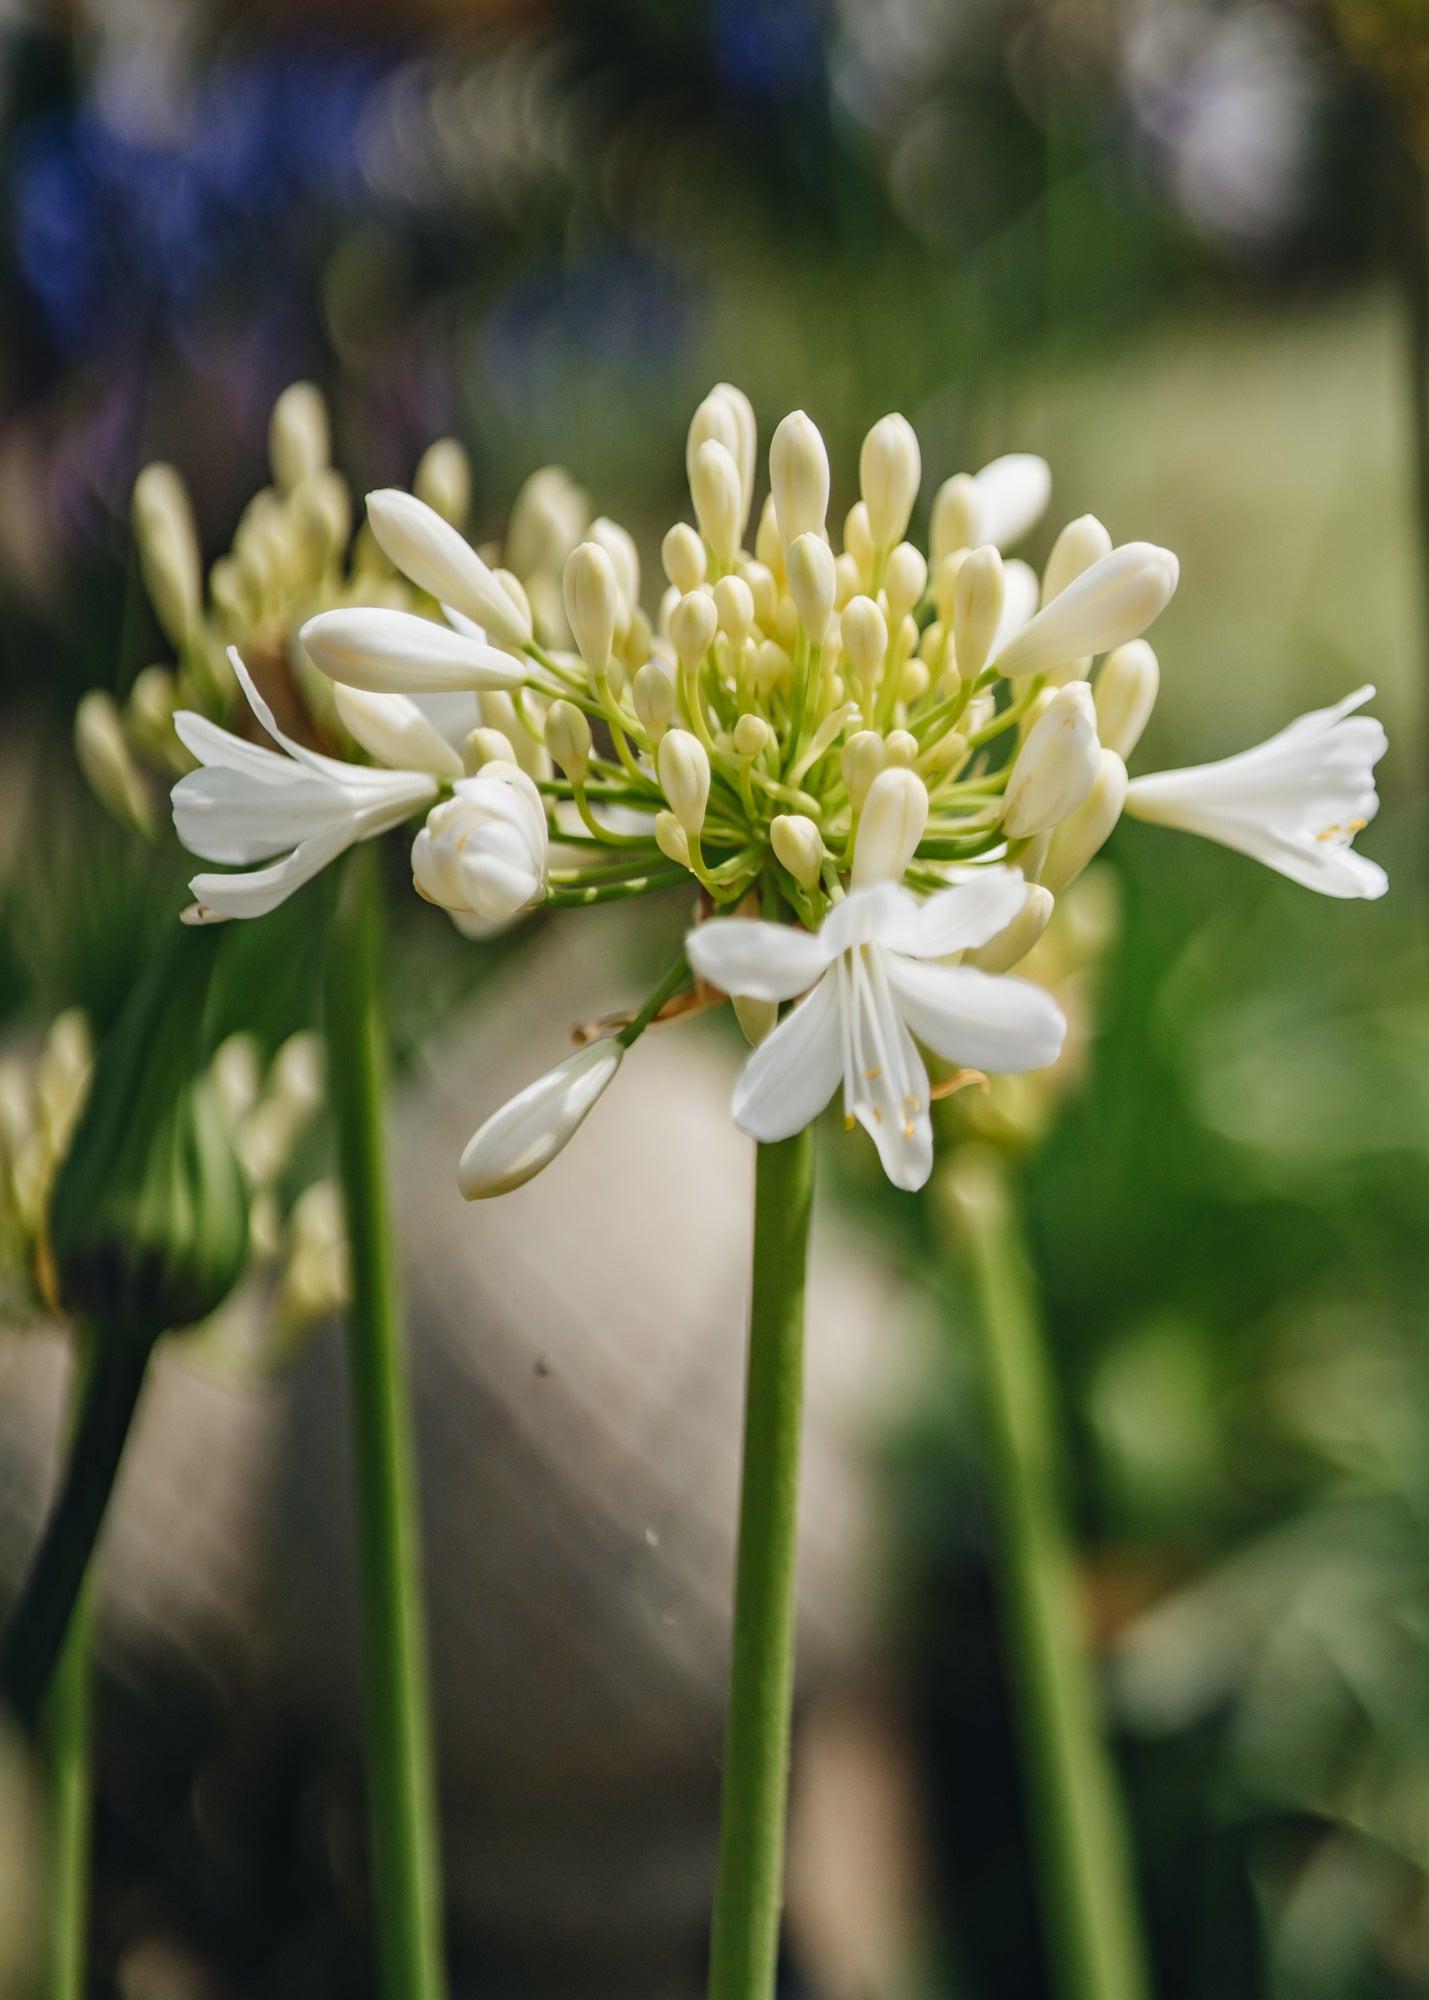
(1094, 1933)
(401, 1793)
(69, 1798)
(745, 1942)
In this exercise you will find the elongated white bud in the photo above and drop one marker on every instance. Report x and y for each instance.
(149, 713)
(890, 470)
(693, 625)
(592, 597)
(767, 545)
(714, 488)
(548, 517)
(798, 478)
(734, 607)
(799, 845)
(685, 558)
(299, 437)
(619, 545)
(439, 560)
(1057, 765)
(1085, 832)
(525, 1135)
(671, 839)
(483, 851)
(653, 694)
(748, 452)
(392, 728)
(905, 578)
(1012, 945)
(443, 481)
(1081, 543)
(864, 632)
(1113, 601)
(1126, 689)
(396, 652)
(106, 760)
(957, 517)
(979, 594)
(863, 759)
(764, 591)
(683, 766)
(568, 740)
(812, 582)
(168, 549)
(481, 747)
(858, 542)
(894, 816)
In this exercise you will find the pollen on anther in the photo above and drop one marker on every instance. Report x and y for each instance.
(872, 1075)
(849, 1121)
(878, 1115)
(908, 1131)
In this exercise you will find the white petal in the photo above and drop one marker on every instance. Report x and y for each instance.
(396, 652)
(352, 777)
(226, 815)
(395, 731)
(795, 1071)
(757, 960)
(526, 1134)
(964, 916)
(888, 1088)
(261, 890)
(220, 748)
(978, 1019)
(1014, 492)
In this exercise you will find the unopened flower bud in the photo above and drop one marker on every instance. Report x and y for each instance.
(863, 759)
(439, 560)
(890, 469)
(485, 746)
(1081, 543)
(548, 518)
(168, 549)
(725, 416)
(894, 816)
(1126, 688)
(592, 598)
(321, 509)
(715, 490)
(525, 1135)
(671, 839)
(1012, 945)
(1057, 765)
(693, 625)
(767, 545)
(812, 582)
(864, 631)
(443, 480)
(914, 681)
(798, 477)
(978, 597)
(483, 851)
(619, 545)
(949, 753)
(685, 558)
(900, 750)
(653, 695)
(858, 541)
(734, 606)
(299, 437)
(770, 668)
(1084, 833)
(683, 766)
(149, 712)
(752, 735)
(1013, 492)
(799, 846)
(1113, 601)
(764, 591)
(104, 756)
(905, 578)
(957, 517)
(848, 580)
(568, 740)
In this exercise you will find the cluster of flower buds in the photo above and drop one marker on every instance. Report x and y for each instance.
(896, 758)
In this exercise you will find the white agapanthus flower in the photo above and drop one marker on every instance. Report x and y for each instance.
(1294, 802)
(526, 1134)
(483, 851)
(874, 982)
(247, 804)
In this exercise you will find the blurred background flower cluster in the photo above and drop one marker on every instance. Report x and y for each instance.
(1181, 248)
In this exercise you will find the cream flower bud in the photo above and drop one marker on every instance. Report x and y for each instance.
(799, 846)
(1012, 945)
(1113, 601)
(1081, 543)
(864, 632)
(714, 488)
(957, 517)
(894, 816)
(525, 1135)
(653, 695)
(764, 591)
(168, 549)
(949, 753)
(914, 681)
(104, 756)
(299, 438)
(149, 713)
(900, 749)
(945, 585)
(752, 734)
(592, 597)
(671, 839)
(979, 594)
(727, 416)
(684, 557)
(693, 625)
(482, 852)
(683, 766)
(1057, 765)
(890, 470)
(905, 578)
(321, 510)
(848, 580)
(858, 540)
(771, 668)
(619, 545)
(568, 739)
(443, 481)
(767, 545)
(548, 517)
(391, 728)
(439, 560)
(1085, 832)
(396, 652)
(734, 606)
(812, 583)
(485, 746)
(798, 478)
(1126, 690)
(863, 759)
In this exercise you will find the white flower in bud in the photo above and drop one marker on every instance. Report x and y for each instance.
(1019, 604)
(864, 632)
(764, 591)
(979, 595)
(1126, 689)
(652, 694)
(525, 1135)
(391, 728)
(592, 598)
(396, 652)
(693, 625)
(894, 816)
(770, 669)
(799, 846)
(1113, 601)
(485, 746)
(149, 712)
(168, 549)
(914, 681)
(498, 711)
(848, 580)
(548, 518)
(727, 417)
(483, 851)
(945, 584)
(999, 505)
(619, 545)
(568, 740)
(812, 582)
(767, 546)
(714, 488)
(752, 735)
(321, 511)
(440, 561)
(956, 521)
(734, 606)
(684, 557)
(1085, 832)
(107, 762)
(905, 578)
(683, 767)
(443, 480)
(890, 470)
(671, 839)
(748, 452)
(1056, 767)
(900, 749)
(1012, 945)
(863, 759)
(798, 478)
(1081, 543)
(299, 438)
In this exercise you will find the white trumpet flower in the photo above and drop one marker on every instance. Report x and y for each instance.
(526, 1134)
(1294, 802)
(483, 851)
(247, 804)
(876, 984)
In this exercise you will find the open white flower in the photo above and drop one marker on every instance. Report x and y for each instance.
(1294, 802)
(247, 804)
(876, 984)
(483, 851)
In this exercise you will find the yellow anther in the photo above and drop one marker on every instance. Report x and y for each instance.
(872, 1075)
(849, 1121)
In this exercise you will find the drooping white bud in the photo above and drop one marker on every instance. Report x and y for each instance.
(798, 478)
(1126, 689)
(592, 597)
(905, 578)
(812, 582)
(799, 846)
(568, 740)
(894, 816)
(1113, 601)
(525, 1135)
(439, 560)
(864, 632)
(1012, 945)
(483, 851)
(653, 695)
(391, 728)
(734, 607)
(714, 488)
(1085, 832)
(299, 438)
(1081, 543)
(396, 652)
(104, 756)
(683, 767)
(684, 557)
(979, 595)
(863, 759)
(890, 470)
(1057, 764)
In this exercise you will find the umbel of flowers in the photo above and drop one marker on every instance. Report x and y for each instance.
(877, 765)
